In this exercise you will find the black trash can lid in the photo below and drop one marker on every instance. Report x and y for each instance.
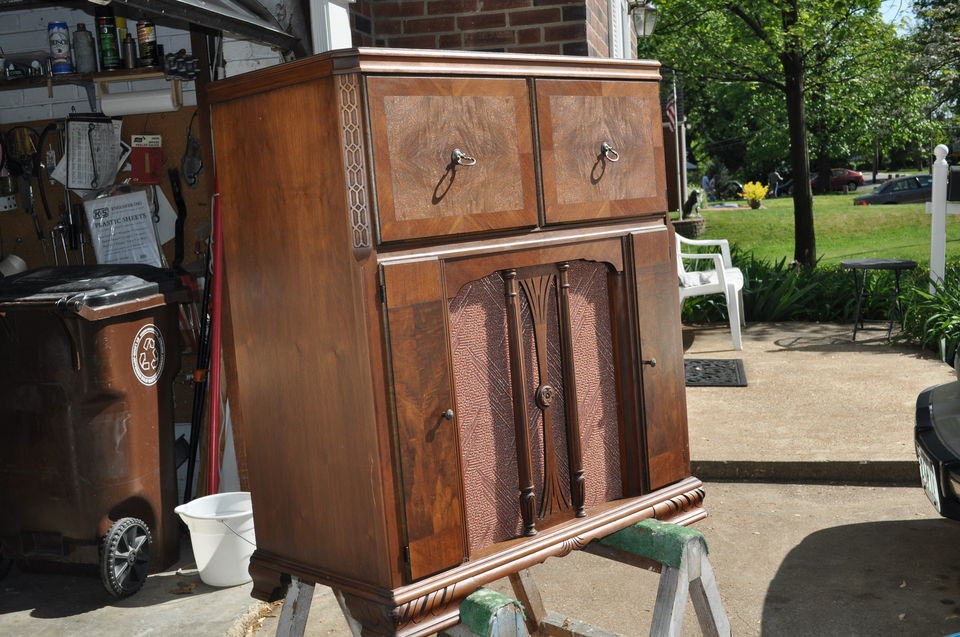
(73, 287)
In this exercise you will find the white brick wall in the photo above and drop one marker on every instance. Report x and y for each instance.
(242, 56)
(26, 30)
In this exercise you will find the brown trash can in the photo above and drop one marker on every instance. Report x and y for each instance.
(88, 355)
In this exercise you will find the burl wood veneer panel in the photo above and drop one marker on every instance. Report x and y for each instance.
(580, 182)
(426, 432)
(417, 124)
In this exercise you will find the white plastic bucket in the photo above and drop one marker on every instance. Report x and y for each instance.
(222, 536)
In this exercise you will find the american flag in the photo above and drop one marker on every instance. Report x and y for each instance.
(672, 112)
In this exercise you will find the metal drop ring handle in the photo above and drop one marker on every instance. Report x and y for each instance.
(609, 152)
(460, 158)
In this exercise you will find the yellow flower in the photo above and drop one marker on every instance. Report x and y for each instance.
(754, 191)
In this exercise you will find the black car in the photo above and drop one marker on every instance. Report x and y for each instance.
(914, 188)
(937, 438)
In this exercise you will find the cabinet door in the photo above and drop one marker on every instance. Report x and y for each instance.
(423, 190)
(661, 340)
(426, 430)
(601, 149)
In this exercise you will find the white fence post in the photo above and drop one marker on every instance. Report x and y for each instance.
(938, 224)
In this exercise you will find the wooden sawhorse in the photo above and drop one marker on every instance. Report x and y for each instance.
(678, 553)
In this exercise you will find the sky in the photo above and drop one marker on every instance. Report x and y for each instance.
(895, 10)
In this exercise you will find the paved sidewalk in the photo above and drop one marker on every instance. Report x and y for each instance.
(818, 406)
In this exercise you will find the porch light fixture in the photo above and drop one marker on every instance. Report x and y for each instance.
(644, 14)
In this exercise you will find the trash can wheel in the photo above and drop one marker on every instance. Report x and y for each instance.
(125, 556)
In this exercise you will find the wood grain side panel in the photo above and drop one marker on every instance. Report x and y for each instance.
(664, 392)
(429, 450)
(575, 118)
(297, 311)
(416, 126)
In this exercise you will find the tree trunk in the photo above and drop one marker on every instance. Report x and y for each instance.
(804, 237)
(823, 174)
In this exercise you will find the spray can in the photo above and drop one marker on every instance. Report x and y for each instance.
(147, 42)
(84, 55)
(107, 39)
(59, 36)
(121, 23)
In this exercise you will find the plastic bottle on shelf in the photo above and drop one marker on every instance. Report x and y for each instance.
(84, 54)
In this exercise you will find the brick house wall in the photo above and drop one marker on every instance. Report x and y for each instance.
(559, 27)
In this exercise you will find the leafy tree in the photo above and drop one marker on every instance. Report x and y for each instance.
(803, 50)
(937, 33)
(868, 99)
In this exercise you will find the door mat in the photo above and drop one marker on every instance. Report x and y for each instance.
(708, 372)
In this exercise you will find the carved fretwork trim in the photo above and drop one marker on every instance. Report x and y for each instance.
(354, 162)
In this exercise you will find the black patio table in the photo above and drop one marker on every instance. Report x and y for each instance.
(859, 281)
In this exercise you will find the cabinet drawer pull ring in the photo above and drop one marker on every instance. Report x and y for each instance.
(460, 158)
(652, 362)
(609, 152)
(448, 414)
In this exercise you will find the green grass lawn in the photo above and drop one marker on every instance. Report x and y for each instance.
(843, 230)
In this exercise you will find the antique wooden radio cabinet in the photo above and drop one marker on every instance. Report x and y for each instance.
(453, 333)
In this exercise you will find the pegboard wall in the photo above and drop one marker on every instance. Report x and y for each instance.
(18, 234)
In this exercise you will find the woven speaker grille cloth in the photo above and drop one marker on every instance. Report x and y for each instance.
(484, 400)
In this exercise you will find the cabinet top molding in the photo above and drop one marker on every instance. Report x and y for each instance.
(431, 62)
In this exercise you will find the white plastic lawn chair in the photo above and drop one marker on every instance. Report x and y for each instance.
(722, 279)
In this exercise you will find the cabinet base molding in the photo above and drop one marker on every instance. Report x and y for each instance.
(431, 604)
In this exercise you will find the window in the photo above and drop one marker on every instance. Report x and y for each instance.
(330, 25)
(620, 37)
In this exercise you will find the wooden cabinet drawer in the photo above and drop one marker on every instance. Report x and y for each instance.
(575, 119)
(417, 124)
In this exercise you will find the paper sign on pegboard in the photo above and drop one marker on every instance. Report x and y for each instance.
(121, 229)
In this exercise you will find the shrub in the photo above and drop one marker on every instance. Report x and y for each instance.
(780, 291)
(933, 320)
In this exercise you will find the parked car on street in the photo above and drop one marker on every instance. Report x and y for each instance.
(910, 189)
(840, 178)
(937, 438)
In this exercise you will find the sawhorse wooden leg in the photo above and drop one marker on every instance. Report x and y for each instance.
(680, 555)
(296, 610)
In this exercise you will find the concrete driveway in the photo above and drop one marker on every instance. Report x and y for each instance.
(817, 522)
